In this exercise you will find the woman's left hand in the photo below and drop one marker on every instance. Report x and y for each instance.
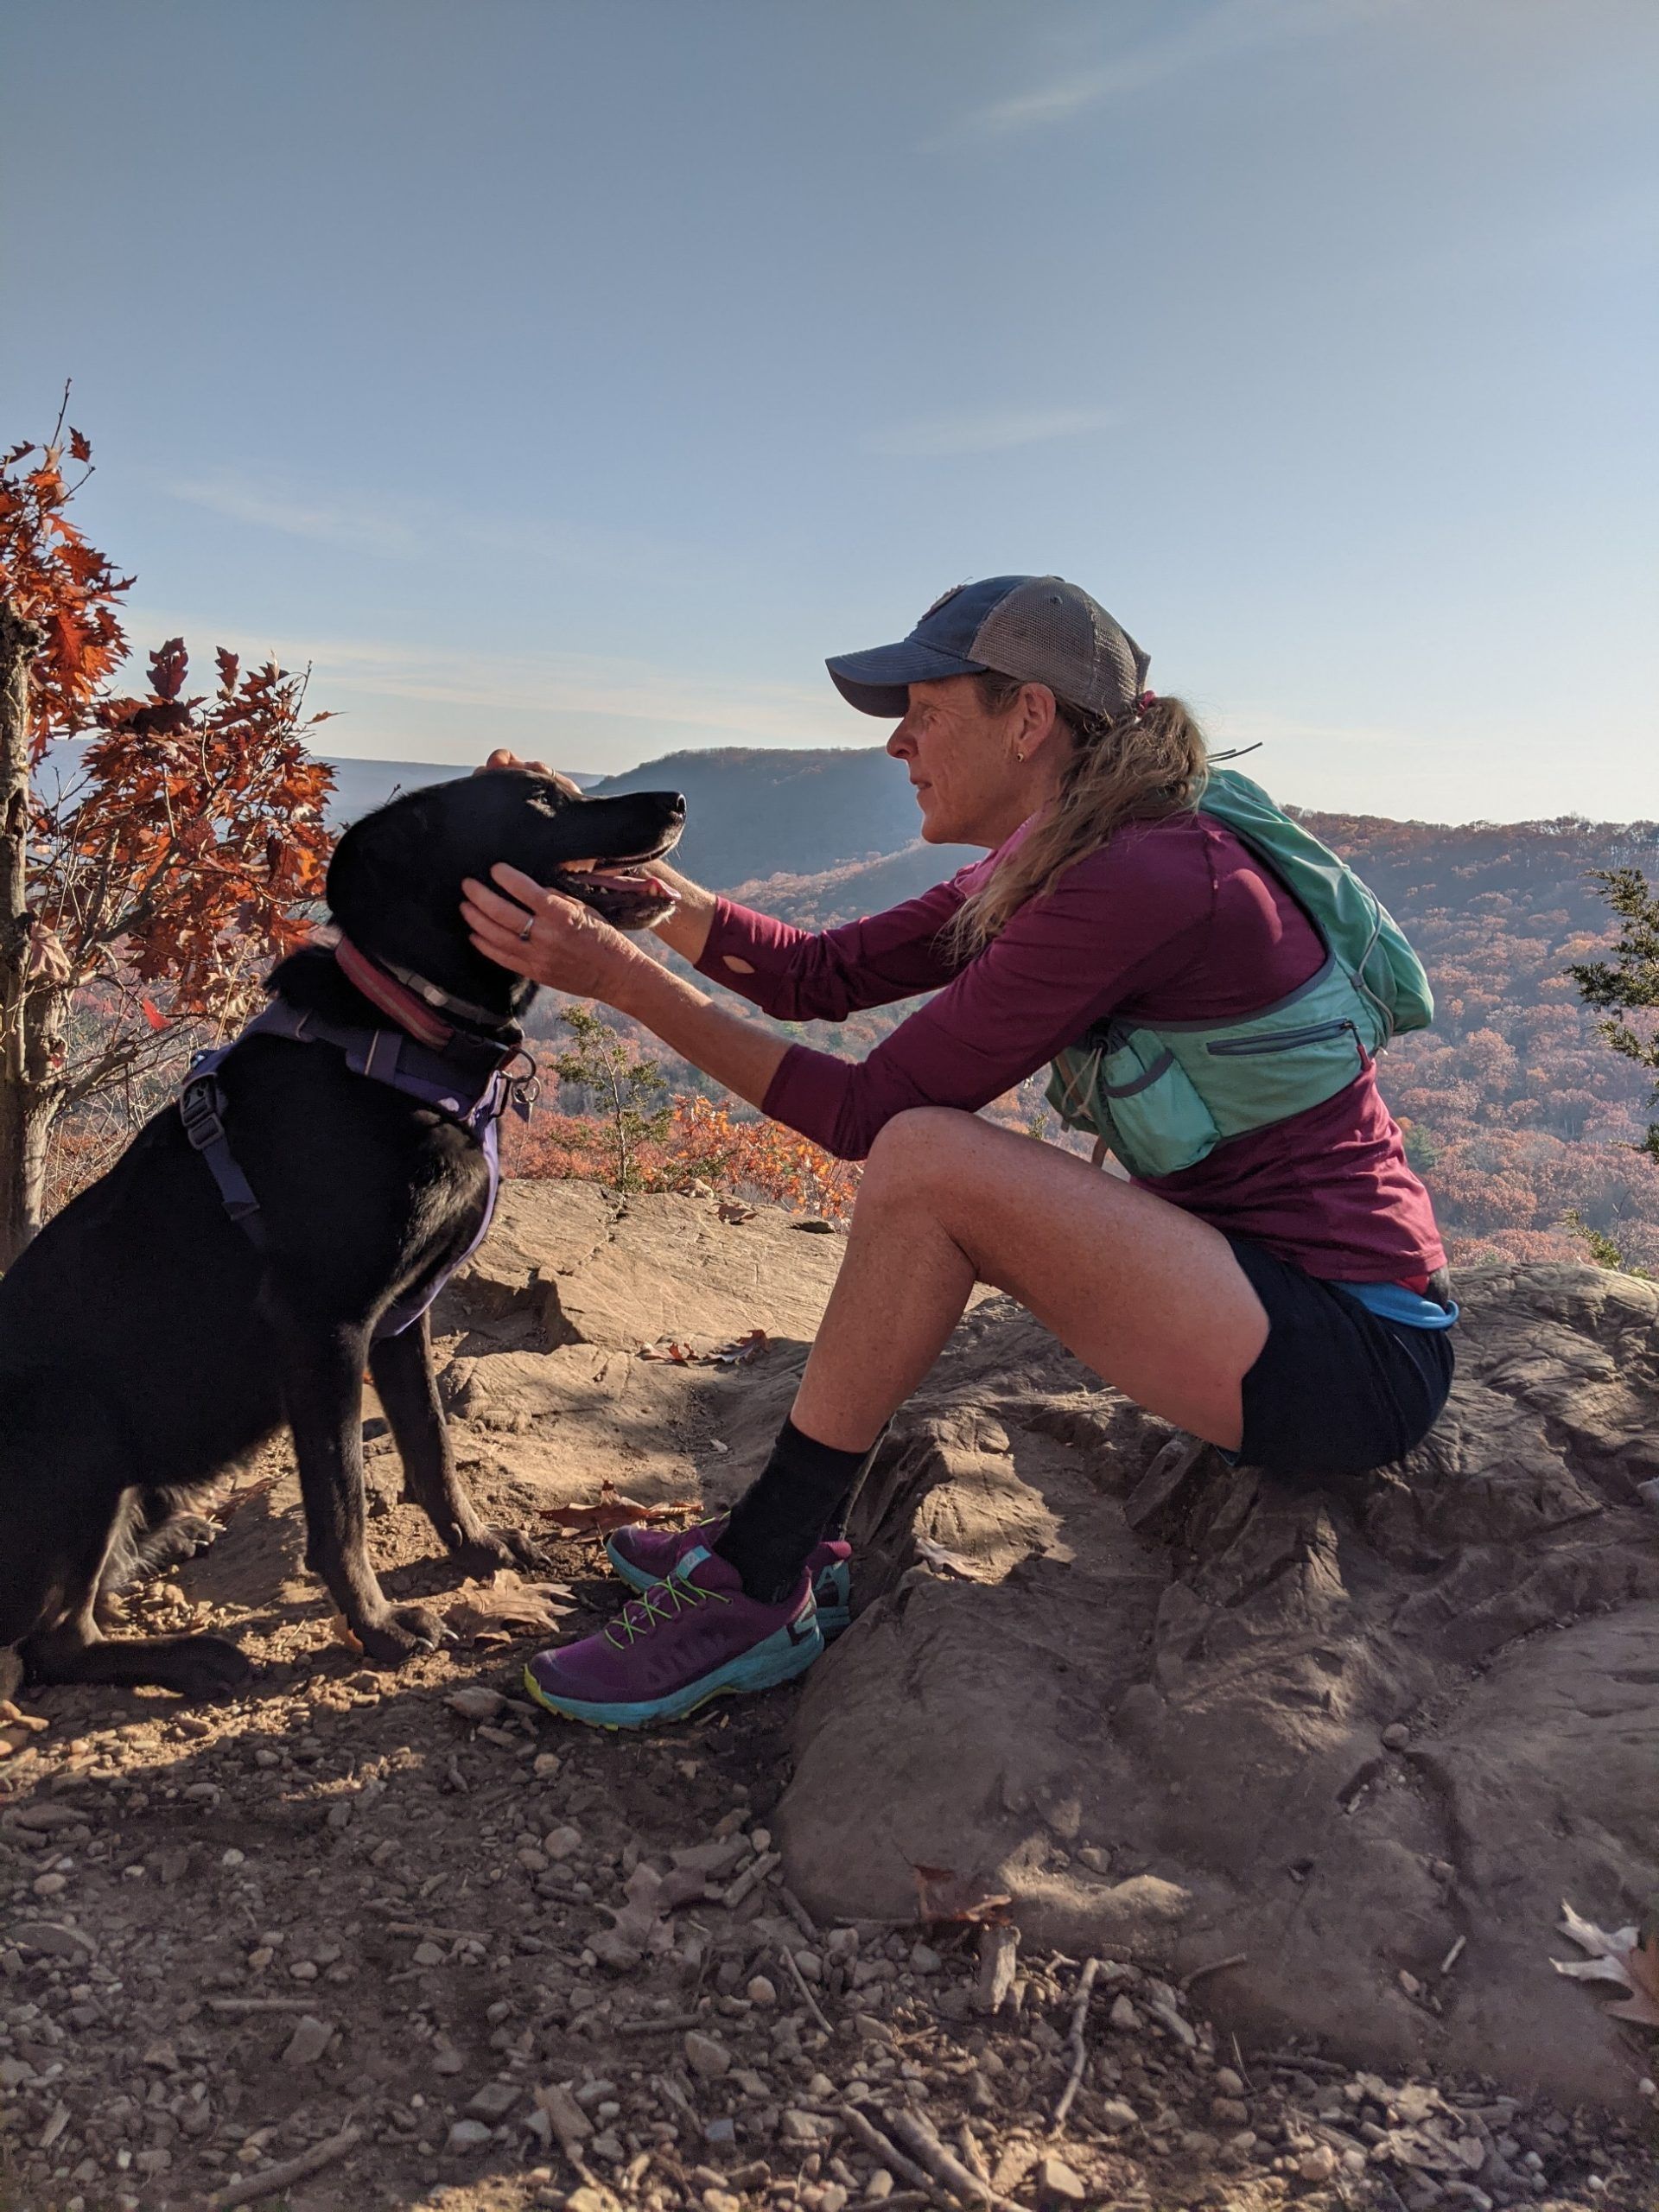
(545, 936)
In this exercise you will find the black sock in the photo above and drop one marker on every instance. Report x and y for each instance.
(785, 1511)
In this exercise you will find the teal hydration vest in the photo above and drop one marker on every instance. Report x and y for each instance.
(1163, 1098)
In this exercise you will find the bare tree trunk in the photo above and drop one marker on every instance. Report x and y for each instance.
(25, 1108)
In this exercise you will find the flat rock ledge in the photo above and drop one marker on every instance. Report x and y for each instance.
(1358, 1746)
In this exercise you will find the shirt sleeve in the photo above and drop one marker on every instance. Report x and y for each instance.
(1120, 921)
(797, 975)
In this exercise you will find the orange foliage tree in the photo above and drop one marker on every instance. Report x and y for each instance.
(151, 873)
(700, 1144)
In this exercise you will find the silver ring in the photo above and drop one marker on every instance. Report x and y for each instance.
(530, 923)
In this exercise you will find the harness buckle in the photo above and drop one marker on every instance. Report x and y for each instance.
(199, 1109)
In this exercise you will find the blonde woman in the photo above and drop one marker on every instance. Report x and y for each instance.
(1282, 1298)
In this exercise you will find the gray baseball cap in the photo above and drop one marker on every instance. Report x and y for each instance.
(1036, 629)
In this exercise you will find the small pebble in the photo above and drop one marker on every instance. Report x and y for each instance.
(1057, 2184)
(706, 2055)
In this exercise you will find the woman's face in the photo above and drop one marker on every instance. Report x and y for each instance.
(970, 784)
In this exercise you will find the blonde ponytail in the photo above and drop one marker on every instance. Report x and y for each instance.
(1147, 763)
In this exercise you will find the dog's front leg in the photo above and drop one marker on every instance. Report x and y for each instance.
(400, 1368)
(323, 1389)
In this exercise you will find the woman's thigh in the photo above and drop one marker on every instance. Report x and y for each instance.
(1149, 1297)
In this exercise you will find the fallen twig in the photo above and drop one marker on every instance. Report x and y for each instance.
(1216, 1965)
(671, 2094)
(1454, 1954)
(1079, 2044)
(569, 2122)
(972, 2156)
(669, 2022)
(876, 2143)
(807, 1998)
(231, 2005)
(752, 1877)
(429, 1934)
(797, 1912)
(913, 2131)
(266, 2183)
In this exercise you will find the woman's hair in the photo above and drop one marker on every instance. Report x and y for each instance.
(1146, 764)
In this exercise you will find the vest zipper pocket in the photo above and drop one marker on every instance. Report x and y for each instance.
(1285, 1040)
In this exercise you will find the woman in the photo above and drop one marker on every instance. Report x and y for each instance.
(1282, 1298)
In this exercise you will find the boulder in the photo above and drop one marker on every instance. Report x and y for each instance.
(1081, 1633)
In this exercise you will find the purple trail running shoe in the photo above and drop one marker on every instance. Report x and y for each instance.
(643, 1556)
(692, 1636)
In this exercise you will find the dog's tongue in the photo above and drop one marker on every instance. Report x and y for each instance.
(623, 878)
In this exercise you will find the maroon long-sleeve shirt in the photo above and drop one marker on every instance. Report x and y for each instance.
(1172, 920)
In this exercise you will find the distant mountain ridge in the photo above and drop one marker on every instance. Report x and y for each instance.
(752, 812)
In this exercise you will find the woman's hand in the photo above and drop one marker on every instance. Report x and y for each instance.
(502, 759)
(547, 936)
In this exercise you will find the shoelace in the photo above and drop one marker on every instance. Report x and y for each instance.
(643, 1614)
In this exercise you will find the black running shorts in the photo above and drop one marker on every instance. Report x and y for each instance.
(1337, 1389)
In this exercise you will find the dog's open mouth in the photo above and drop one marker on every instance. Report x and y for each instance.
(617, 889)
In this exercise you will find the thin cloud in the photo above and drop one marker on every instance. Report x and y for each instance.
(942, 437)
(1230, 27)
(351, 673)
(408, 531)
(360, 529)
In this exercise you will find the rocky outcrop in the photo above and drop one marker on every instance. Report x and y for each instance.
(1341, 1755)
(1358, 1746)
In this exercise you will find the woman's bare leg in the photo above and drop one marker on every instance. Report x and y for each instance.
(1149, 1297)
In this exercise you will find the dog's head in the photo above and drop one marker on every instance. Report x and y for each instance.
(394, 882)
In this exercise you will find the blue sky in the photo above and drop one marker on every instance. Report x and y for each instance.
(576, 373)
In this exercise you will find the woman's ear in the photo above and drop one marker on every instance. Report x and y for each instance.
(1035, 719)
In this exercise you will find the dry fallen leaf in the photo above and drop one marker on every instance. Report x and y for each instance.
(745, 1352)
(937, 1555)
(611, 1511)
(734, 1209)
(506, 1607)
(943, 1895)
(742, 1351)
(1619, 1957)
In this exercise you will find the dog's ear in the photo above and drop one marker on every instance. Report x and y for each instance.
(380, 855)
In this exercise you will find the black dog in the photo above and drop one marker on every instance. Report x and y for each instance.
(147, 1340)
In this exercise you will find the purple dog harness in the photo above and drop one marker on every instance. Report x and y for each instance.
(474, 1097)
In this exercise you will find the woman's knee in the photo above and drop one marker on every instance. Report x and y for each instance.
(915, 1151)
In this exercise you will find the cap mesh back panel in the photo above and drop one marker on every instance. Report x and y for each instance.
(1051, 632)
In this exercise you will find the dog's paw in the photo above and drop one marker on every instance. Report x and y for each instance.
(182, 1538)
(399, 1633)
(206, 1667)
(494, 1549)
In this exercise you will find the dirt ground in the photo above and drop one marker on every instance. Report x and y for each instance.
(483, 1960)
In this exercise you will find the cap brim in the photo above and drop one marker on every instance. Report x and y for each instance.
(877, 682)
